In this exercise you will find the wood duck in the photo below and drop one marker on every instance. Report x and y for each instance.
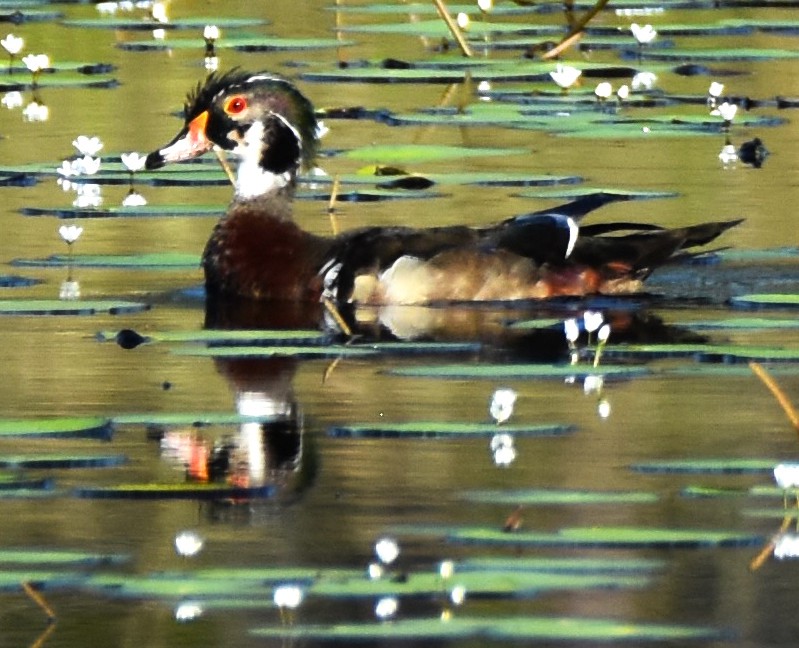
(257, 251)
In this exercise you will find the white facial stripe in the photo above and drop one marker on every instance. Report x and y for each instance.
(574, 232)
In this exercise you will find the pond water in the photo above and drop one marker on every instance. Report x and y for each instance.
(334, 495)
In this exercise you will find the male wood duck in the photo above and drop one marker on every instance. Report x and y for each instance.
(257, 251)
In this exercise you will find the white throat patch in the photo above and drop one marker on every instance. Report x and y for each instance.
(252, 180)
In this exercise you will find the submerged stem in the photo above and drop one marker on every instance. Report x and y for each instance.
(776, 390)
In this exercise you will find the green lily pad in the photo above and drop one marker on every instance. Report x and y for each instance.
(415, 153)
(218, 337)
(126, 212)
(23, 15)
(62, 307)
(271, 351)
(579, 565)
(91, 427)
(11, 481)
(240, 43)
(477, 583)
(519, 371)
(21, 81)
(704, 352)
(608, 537)
(196, 23)
(436, 28)
(61, 557)
(61, 460)
(568, 193)
(147, 260)
(186, 419)
(11, 580)
(518, 628)
(712, 492)
(184, 491)
(721, 465)
(731, 54)
(559, 497)
(772, 513)
(743, 323)
(174, 586)
(774, 300)
(441, 430)
(429, 9)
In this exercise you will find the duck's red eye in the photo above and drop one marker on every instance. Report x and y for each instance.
(235, 105)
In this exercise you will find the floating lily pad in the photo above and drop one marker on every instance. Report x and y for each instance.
(743, 323)
(61, 460)
(704, 352)
(712, 491)
(126, 212)
(196, 23)
(731, 54)
(30, 556)
(436, 28)
(11, 481)
(609, 537)
(20, 82)
(61, 307)
(517, 628)
(772, 513)
(271, 351)
(519, 371)
(240, 43)
(147, 260)
(186, 491)
(415, 153)
(478, 583)
(559, 497)
(90, 427)
(11, 580)
(225, 337)
(15, 281)
(441, 430)
(579, 565)
(729, 465)
(185, 419)
(568, 193)
(24, 15)
(774, 300)
(174, 586)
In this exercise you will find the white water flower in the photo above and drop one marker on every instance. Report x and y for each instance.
(485, 5)
(644, 81)
(133, 161)
(211, 33)
(787, 546)
(786, 475)
(593, 384)
(463, 20)
(134, 199)
(67, 169)
(726, 111)
(107, 8)
(36, 112)
(565, 75)
(503, 450)
(387, 550)
(211, 63)
(458, 595)
(592, 320)
(501, 406)
(288, 596)
(446, 569)
(322, 129)
(158, 12)
(89, 196)
(36, 62)
(70, 234)
(728, 156)
(69, 290)
(12, 99)
(87, 145)
(603, 90)
(603, 334)
(386, 607)
(715, 89)
(572, 330)
(375, 571)
(603, 408)
(643, 33)
(623, 92)
(12, 44)
(188, 611)
(159, 34)
(87, 165)
(188, 543)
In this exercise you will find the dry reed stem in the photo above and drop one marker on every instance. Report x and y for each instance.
(776, 390)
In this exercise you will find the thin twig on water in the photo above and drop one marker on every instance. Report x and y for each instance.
(576, 32)
(456, 32)
(776, 390)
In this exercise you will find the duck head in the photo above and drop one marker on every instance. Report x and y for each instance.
(261, 119)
